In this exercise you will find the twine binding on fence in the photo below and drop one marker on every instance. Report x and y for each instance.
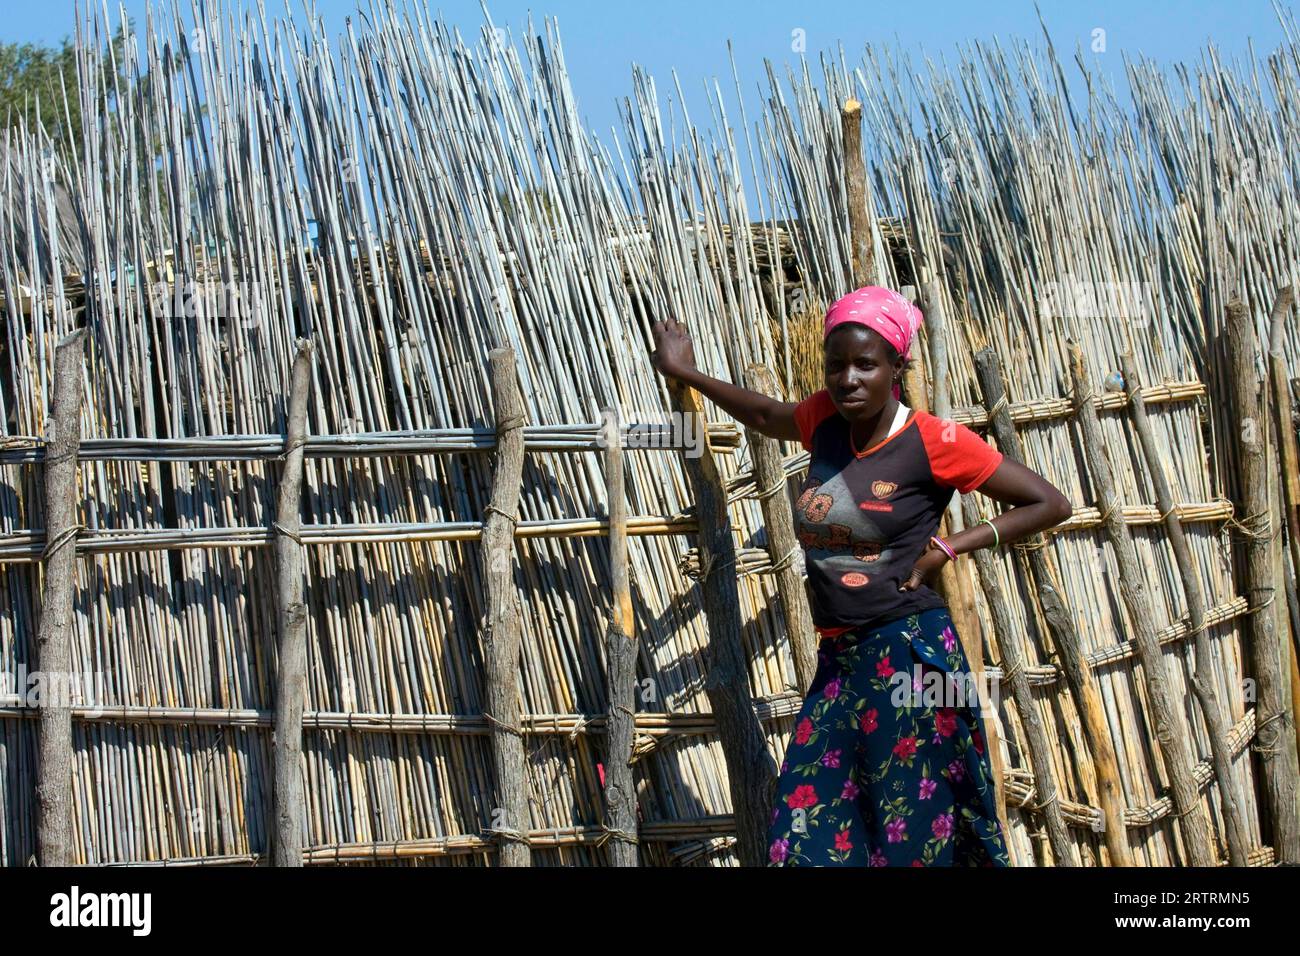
(287, 532)
(1054, 798)
(784, 563)
(517, 731)
(613, 833)
(1032, 544)
(1270, 751)
(1265, 518)
(1000, 404)
(61, 540)
(507, 833)
(709, 564)
(771, 490)
(513, 519)
(579, 726)
(290, 447)
(1272, 596)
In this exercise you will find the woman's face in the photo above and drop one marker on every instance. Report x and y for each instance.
(859, 370)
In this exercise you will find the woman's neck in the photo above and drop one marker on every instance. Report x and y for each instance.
(869, 432)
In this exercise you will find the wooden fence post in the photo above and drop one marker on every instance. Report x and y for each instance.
(1236, 833)
(782, 545)
(954, 581)
(620, 657)
(1288, 457)
(288, 810)
(855, 192)
(501, 636)
(751, 771)
(1172, 742)
(1276, 746)
(1037, 742)
(1078, 673)
(54, 636)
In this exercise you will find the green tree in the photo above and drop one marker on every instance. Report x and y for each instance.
(30, 73)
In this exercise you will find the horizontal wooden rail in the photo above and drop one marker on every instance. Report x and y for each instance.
(26, 546)
(758, 561)
(22, 449)
(659, 831)
(1020, 785)
(652, 723)
(649, 723)
(722, 436)
(1040, 674)
(716, 831)
(1047, 409)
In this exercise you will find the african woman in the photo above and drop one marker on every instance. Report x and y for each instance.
(887, 764)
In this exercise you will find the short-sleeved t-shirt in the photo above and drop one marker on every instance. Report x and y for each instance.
(864, 518)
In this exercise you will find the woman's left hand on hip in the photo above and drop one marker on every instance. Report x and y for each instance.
(927, 565)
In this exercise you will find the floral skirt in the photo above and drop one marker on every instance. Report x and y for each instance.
(887, 764)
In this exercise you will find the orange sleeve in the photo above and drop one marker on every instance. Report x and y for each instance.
(959, 458)
(810, 413)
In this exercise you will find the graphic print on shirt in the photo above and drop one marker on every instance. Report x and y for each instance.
(842, 542)
(864, 517)
(845, 523)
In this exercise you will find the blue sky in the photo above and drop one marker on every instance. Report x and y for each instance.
(691, 34)
(602, 39)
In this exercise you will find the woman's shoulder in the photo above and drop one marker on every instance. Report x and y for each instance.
(810, 413)
(822, 397)
(959, 456)
(934, 428)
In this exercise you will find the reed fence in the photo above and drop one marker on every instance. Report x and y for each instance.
(460, 207)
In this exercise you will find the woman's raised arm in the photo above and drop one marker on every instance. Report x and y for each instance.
(674, 357)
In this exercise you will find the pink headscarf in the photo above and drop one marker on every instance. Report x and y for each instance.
(881, 309)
